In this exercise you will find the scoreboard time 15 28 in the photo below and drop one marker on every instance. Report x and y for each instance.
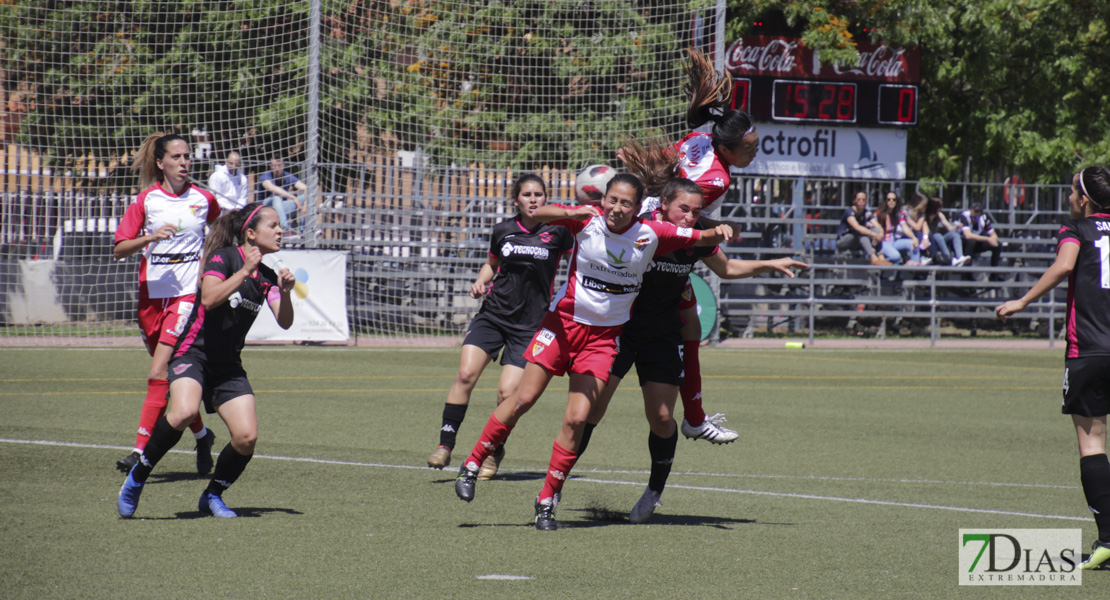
(797, 100)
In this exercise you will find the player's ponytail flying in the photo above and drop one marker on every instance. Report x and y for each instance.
(654, 162)
(710, 96)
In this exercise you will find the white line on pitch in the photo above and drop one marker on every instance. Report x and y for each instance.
(580, 477)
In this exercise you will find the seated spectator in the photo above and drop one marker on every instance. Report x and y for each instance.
(897, 234)
(947, 238)
(978, 229)
(228, 183)
(853, 233)
(276, 189)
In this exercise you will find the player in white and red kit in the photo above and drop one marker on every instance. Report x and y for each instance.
(166, 223)
(1083, 258)
(706, 159)
(613, 248)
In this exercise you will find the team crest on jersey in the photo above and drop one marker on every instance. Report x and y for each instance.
(545, 237)
(687, 293)
(195, 208)
(693, 152)
(640, 243)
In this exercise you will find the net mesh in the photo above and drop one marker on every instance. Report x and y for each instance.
(407, 120)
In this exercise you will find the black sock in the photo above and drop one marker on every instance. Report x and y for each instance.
(162, 440)
(587, 433)
(1094, 472)
(229, 466)
(662, 455)
(453, 415)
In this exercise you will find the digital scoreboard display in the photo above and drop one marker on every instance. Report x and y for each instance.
(865, 103)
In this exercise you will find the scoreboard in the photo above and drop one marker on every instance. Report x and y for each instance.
(778, 80)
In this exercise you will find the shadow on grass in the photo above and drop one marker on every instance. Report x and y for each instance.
(516, 476)
(244, 512)
(175, 476)
(595, 516)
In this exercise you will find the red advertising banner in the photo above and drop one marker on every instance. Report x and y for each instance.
(773, 56)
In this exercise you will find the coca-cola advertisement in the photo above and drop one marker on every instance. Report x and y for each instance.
(775, 56)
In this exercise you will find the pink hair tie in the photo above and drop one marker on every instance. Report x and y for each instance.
(245, 223)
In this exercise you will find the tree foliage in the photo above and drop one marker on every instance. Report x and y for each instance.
(1019, 84)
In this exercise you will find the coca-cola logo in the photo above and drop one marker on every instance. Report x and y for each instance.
(881, 62)
(776, 56)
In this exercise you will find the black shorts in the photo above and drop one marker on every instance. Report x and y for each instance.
(1086, 386)
(219, 383)
(491, 336)
(657, 359)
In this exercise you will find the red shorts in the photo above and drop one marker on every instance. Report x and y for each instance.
(563, 344)
(689, 300)
(161, 320)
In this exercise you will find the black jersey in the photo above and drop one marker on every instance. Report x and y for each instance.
(219, 334)
(861, 218)
(656, 308)
(521, 289)
(1088, 315)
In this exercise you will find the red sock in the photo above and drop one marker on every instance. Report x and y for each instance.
(562, 461)
(197, 425)
(691, 384)
(493, 435)
(153, 406)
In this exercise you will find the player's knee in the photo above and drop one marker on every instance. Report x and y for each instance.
(244, 442)
(467, 378)
(179, 418)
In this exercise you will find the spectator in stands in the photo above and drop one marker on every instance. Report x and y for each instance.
(853, 233)
(914, 216)
(910, 234)
(1081, 260)
(889, 222)
(947, 238)
(276, 189)
(229, 183)
(978, 230)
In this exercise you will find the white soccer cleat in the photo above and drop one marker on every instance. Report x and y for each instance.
(645, 507)
(710, 430)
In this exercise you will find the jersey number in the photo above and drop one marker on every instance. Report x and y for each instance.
(1103, 245)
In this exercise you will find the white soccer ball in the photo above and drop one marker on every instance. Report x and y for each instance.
(590, 183)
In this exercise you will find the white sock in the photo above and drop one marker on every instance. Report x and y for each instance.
(203, 432)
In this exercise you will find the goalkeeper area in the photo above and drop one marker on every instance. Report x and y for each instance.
(840, 486)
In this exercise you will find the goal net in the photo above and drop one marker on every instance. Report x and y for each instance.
(407, 120)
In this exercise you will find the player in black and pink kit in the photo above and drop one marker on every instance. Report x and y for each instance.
(517, 281)
(613, 248)
(166, 223)
(206, 366)
(1083, 258)
(652, 338)
(705, 158)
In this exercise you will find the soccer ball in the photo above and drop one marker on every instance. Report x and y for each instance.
(590, 184)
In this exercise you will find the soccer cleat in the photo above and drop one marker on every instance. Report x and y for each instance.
(128, 499)
(1100, 553)
(211, 504)
(464, 483)
(440, 457)
(645, 507)
(545, 515)
(204, 453)
(710, 430)
(491, 464)
(124, 464)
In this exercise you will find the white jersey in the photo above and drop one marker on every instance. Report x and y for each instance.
(170, 267)
(607, 268)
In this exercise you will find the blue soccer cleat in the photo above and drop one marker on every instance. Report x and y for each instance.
(211, 504)
(128, 499)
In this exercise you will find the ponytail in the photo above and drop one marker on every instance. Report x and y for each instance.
(150, 152)
(710, 97)
(230, 229)
(654, 163)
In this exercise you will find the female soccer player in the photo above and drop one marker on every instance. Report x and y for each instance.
(652, 338)
(206, 365)
(517, 284)
(166, 223)
(613, 249)
(1083, 244)
(706, 159)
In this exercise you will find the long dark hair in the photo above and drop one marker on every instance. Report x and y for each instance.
(654, 162)
(631, 180)
(230, 229)
(710, 97)
(888, 216)
(150, 152)
(518, 185)
(1094, 183)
